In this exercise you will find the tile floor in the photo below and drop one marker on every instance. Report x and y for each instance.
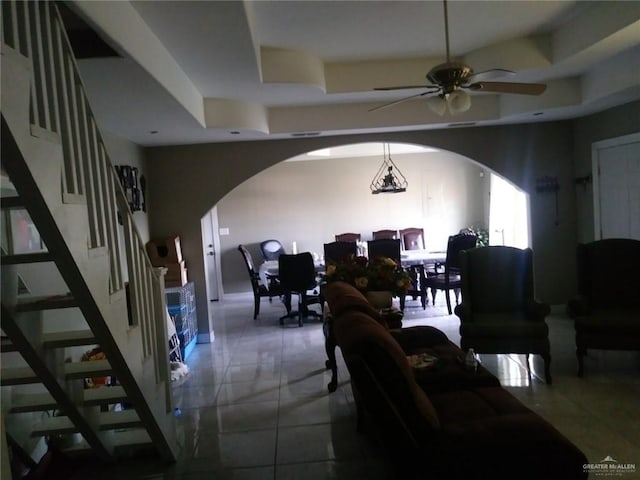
(255, 403)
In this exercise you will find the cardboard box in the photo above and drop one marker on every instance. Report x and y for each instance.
(164, 251)
(177, 282)
(176, 275)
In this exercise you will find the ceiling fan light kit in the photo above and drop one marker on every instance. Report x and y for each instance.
(456, 102)
(450, 80)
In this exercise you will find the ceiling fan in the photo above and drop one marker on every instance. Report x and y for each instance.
(449, 81)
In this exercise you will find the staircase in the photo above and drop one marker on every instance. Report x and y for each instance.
(69, 236)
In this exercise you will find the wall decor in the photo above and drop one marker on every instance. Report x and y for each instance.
(548, 184)
(134, 191)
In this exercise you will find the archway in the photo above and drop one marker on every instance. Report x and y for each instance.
(309, 198)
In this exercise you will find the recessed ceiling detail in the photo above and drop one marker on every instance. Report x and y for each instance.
(235, 115)
(270, 68)
(281, 65)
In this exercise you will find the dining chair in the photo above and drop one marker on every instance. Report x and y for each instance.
(384, 247)
(418, 287)
(347, 237)
(499, 312)
(271, 249)
(449, 278)
(297, 275)
(412, 238)
(385, 234)
(335, 252)
(273, 289)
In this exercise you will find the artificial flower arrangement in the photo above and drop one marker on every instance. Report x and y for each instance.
(379, 273)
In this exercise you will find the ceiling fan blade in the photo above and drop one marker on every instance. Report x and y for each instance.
(489, 74)
(396, 102)
(507, 87)
(405, 87)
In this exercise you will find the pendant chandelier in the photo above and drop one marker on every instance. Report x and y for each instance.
(389, 178)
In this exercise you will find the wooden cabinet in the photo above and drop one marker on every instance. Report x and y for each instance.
(181, 302)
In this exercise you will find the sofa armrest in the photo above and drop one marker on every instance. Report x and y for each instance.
(577, 306)
(411, 338)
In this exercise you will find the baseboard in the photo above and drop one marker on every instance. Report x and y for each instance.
(207, 337)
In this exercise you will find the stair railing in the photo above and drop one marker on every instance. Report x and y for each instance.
(59, 105)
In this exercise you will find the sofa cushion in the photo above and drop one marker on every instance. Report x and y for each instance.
(359, 335)
(449, 374)
(342, 296)
(500, 437)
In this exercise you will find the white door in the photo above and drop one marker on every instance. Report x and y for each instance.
(210, 247)
(616, 184)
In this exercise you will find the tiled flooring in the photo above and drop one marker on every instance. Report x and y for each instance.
(255, 403)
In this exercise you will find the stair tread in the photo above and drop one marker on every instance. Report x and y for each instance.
(54, 425)
(93, 368)
(78, 448)
(13, 201)
(132, 437)
(50, 302)
(70, 338)
(18, 376)
(121, 419)
(33, 402)
(100, 395)
(6, 345)
(23, 258)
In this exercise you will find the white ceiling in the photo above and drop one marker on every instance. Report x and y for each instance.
(215, 71)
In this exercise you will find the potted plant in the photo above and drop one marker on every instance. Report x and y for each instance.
(379, 274)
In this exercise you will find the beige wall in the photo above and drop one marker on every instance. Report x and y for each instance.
(186, 181)
(310, 201)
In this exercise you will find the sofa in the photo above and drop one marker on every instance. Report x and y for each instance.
(445, 421)
(606, 309)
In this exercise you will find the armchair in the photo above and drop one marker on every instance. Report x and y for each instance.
(499, 313)
(606, 310)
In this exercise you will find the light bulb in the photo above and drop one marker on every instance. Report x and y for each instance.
(437, 104)
(459, 101)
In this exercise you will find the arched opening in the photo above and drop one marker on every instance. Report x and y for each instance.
(310, 198)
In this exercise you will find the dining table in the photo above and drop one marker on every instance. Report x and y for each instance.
(422, 257)
(269, 268)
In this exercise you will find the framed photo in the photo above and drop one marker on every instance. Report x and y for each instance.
(22, 234)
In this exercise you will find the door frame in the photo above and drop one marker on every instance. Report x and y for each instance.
(596, 148)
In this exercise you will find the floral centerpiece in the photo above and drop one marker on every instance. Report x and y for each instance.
(377, 274)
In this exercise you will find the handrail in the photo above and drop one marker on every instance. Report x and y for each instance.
(59, 104)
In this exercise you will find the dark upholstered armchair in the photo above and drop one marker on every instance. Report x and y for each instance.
(607, 307)
(499, 313)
